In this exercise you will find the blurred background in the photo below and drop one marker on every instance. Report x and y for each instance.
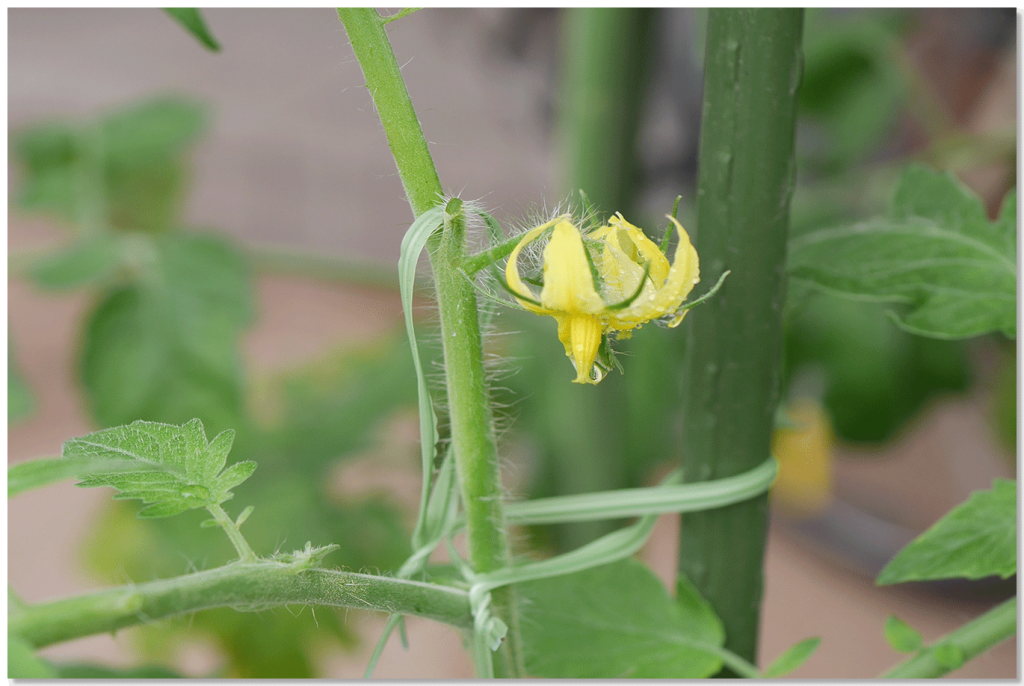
(215, 235)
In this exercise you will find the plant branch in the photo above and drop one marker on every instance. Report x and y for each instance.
(245, 552)
(250, 587)
(971, 640)
(365, 29)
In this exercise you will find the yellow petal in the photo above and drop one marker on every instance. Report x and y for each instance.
(515, 282)
(648, 250)
(683, 275)
(568, 282)
(581, 336)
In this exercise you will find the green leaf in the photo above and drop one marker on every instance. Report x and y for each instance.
(25, 476)
(166, 347)
(937, 254)
(20, 403)
(191, 19)
(88, 260)
(123, 170)
(23, 663)
(179, 470)
(616, 621)
(792, 658)
(975, 539)
(876, 376)
(901, 636)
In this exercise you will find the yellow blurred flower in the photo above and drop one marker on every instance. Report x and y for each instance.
(613, 279)
(803, 486)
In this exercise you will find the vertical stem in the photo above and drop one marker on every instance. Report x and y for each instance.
(365, 29)
(752, 75)
(473, 437)
(608, 53)
(472, 426)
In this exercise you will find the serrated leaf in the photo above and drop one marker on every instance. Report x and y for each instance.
(23, 663)
(192, 20)
(975, 539)
(166, 348)
(937, 254)
(180, 467)
(88, 260)
(793, 658)
(901, 636)
(234, 475)
(615, 621)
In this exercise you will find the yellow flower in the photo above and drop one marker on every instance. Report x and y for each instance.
(611, 280)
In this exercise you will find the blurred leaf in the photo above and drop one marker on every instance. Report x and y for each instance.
(25, 476)
(23, 663)
(937, 253)
(87, 260)
(975, 539)
(124, 170)
(192, 20)
(166, 348)
(182, 471)
(1004, 405)
(793, 658)
(87, 671)
(616, 621)
(20, 403)
(851, 85)
(901, 636)
(872, 376)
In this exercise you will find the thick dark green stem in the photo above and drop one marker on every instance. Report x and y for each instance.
(256, 586)
(472, 425)
(752, 75)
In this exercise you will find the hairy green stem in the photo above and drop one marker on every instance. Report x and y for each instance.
(472, 425)
(472, 428)
(245, 553)
(971, 640)
(752, 75)
(365, 29)
(255, 586)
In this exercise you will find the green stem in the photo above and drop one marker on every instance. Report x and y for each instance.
(256, 586)
(972, 639)
(608, 55)
(245, 553)
(471, 422)
(752, 74)
(472, 426)
(365, 29)
(486, 258)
